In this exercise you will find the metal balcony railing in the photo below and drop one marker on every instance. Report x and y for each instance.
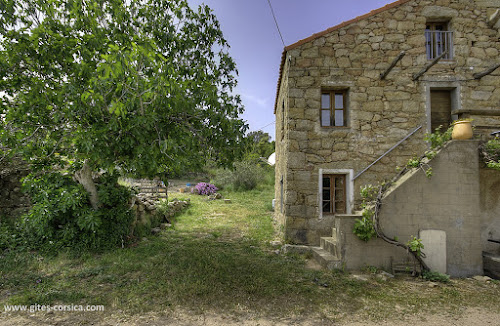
(438, 42)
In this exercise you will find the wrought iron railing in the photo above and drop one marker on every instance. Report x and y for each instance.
(438, 42)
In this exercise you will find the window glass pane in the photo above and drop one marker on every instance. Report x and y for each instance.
(339, 181)
(326, 182)
(326, 194)
(339, 100)
(339, 194)
(339, 118)
(325, 101)
(325, 117)
(326, 206)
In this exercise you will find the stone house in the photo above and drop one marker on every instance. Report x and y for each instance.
(355, 101)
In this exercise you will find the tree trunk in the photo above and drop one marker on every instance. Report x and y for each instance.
(84, 177)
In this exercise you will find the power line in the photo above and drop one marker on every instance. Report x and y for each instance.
(276, 22)
(267, 125)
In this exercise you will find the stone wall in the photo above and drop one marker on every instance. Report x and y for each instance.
(13, 203)
(490, 209)
(380, 112)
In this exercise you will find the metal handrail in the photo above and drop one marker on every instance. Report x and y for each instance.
(388, 151)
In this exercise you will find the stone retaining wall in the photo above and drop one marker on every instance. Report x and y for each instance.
(13, 203)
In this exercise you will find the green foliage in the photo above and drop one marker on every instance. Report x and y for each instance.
(415, 163)
(11, 236)
(437, 139)
(369, 193)
(162, 208)
(259, 143)
(436, 277)
(364, 228)
(142, 85)
(430, 154)
(245, 175)
(415, 244)
(370, 269)
(491, 153)
(61, 215)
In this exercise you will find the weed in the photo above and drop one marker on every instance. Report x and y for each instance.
(436, 277)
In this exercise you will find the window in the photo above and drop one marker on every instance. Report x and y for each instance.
(438, 40)
(334, 193)
(333, 108)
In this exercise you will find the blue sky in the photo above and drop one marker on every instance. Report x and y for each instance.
(256, 46)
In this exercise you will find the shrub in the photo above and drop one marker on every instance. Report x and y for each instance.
(364, 228)
(204, 188)
(436, 277)
(437, 139)
(491, 153)
(245, 175)
(61, 215)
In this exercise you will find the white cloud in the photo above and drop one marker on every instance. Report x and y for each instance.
(262, 102)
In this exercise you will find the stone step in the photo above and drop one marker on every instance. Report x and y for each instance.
(329, 244)
(326, 259)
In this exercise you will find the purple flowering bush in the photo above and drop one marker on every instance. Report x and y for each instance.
(204, 188)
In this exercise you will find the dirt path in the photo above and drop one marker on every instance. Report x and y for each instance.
(469, 317)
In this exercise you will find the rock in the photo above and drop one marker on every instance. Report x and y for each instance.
(165, 225)
(432, 284)
(295, 249)
(155, 231)
(482, 278)
(275, 243)
(363, 278)
(227, 201)
(388, 275)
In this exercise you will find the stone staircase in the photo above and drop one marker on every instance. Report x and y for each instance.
(328, 254)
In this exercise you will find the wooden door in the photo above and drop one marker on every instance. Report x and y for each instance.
(440, 109)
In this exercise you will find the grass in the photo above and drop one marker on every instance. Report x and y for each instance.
(218, 258)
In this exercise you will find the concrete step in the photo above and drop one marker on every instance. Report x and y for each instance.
(326, 259)
(329, 244)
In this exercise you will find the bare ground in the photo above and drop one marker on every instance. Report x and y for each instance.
(467, 316)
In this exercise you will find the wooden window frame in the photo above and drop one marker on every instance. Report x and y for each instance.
(333, 199)
(332, 108)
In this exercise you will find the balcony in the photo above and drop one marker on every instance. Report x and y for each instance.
(438, 42)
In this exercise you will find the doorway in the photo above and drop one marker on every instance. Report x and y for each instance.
(440, 109)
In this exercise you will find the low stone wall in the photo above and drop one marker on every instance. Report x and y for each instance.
(13, 203)
(145, 208)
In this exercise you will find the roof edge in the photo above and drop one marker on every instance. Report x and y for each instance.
(346, 23)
